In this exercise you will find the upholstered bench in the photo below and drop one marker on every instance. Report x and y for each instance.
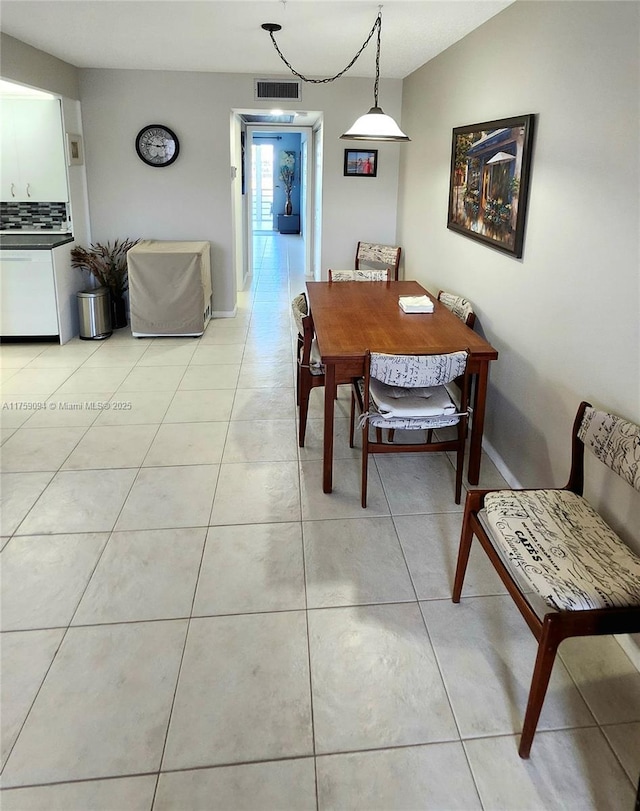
(568, 572)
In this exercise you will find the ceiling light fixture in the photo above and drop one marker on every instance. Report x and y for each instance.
(375, 125)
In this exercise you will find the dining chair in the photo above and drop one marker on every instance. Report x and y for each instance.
(310, 371)
(371, 275)
(299, 309)
(409, 392)
(567, 571)
(369, 254)
(459, 306)
(463, 309)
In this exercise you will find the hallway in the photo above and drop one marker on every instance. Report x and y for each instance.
(189, 622)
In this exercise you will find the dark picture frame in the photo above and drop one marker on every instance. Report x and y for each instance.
(361, 162)
(489, 181)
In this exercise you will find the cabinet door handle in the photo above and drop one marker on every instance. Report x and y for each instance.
(13, 187)
(28, 189)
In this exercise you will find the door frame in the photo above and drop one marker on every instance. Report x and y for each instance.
(310, 210)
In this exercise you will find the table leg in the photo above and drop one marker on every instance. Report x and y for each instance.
(477, 425)
(329, 406)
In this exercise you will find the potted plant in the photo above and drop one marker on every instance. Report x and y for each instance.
(107, 263)
(287, 176)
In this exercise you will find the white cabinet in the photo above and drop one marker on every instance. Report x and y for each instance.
(38, 293)
(28, 295)
(33, 166)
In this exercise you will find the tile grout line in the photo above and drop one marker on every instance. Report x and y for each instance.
(179, 672)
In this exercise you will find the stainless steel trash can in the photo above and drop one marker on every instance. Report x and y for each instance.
(94, 311)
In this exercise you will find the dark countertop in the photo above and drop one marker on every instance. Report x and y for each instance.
(45, 241)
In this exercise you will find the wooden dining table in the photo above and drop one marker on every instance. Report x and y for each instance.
(352, 317)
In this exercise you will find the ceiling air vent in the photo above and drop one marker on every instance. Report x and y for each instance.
(277, 90)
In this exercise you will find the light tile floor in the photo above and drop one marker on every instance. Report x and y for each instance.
(189, 622)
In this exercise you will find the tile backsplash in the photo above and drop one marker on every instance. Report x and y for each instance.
(28, 216)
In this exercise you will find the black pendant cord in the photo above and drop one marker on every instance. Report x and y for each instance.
(270, 27)
(375, 84)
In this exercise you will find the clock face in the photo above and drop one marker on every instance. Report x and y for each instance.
(157, 145)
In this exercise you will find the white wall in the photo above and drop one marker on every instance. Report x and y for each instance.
(79, 209)
(191, 198)
(26, 65)
(565, 317)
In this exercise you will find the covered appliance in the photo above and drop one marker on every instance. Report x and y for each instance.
(169, 288)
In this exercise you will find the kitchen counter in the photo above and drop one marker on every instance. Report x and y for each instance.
(45, 241)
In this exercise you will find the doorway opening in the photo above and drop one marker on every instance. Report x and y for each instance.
(264, 201)
(262, 176)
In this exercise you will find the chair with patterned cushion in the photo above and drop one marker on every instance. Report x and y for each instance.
(463, 309)
(370, 255)
(310, 371)
(459, 306)
(299, 309)
(567, 571)
(359, 275)
(409, 392)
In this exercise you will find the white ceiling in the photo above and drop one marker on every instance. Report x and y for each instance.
(319, 37)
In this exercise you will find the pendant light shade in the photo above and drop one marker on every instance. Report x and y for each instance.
(375, 126)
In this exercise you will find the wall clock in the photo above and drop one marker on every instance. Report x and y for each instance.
(157, 145)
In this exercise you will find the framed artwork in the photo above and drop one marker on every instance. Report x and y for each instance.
(489, 183)
(361, 162)
(74, 149)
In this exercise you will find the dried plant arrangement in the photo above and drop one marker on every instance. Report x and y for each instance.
(107, 263)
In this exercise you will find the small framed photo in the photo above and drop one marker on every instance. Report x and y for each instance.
(361, 162)
(75, 155)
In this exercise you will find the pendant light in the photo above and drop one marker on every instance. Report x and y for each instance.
(375, 125)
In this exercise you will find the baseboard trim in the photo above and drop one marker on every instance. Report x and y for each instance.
(225, 313)
(631, 647)
(501, 465)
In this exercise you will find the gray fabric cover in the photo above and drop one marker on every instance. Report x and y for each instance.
(169, 287)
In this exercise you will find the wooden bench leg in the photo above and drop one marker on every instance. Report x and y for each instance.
(547, 647)
(463, 553)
